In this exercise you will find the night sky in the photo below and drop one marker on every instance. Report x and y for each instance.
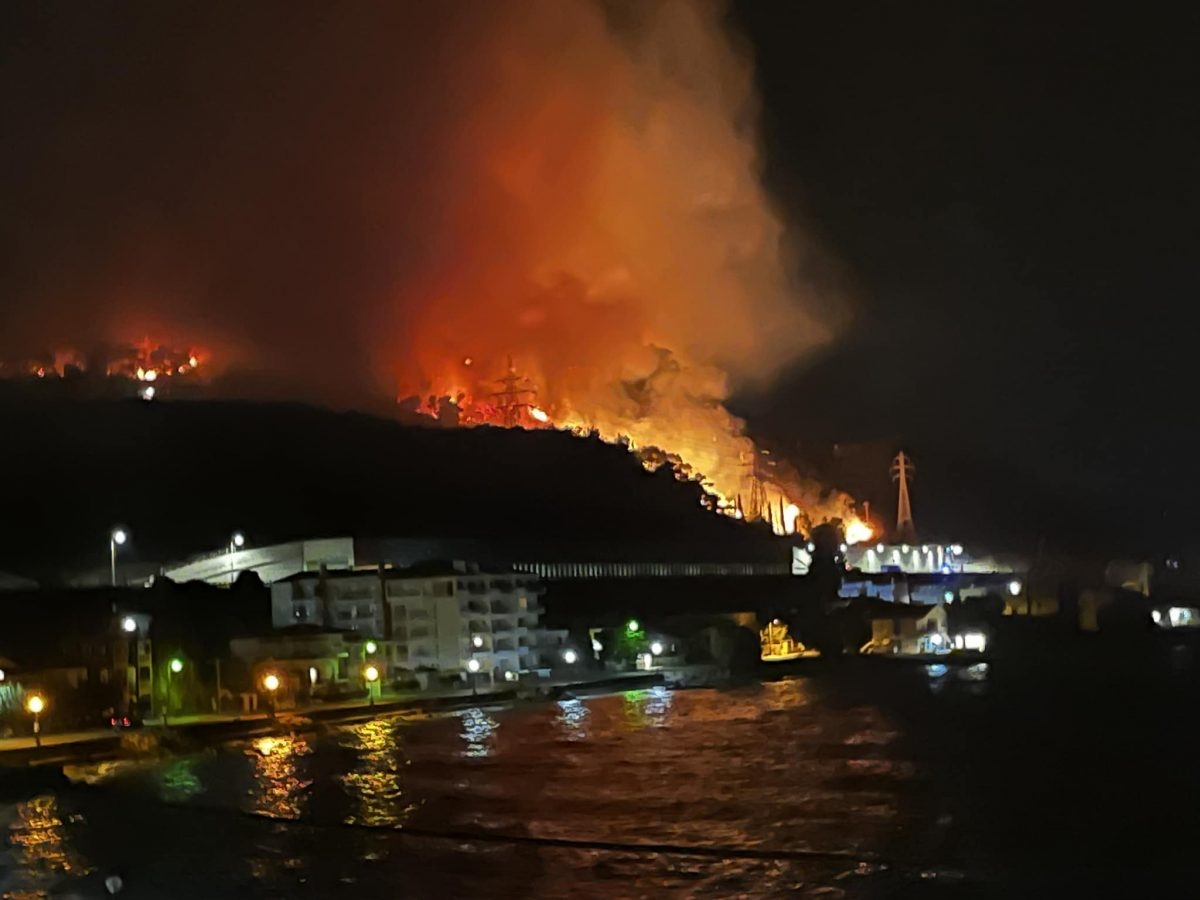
(1014, 188)
(1008, 190)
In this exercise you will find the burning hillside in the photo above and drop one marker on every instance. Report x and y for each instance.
(710, 448)
(404, 195)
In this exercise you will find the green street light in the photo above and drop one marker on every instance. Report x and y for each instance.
(632, 626)
(176, 665)
(372, 646)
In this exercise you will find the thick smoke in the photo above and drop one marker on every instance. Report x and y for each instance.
(357, 198)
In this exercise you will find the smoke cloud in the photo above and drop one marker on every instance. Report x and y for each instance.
(358, 198)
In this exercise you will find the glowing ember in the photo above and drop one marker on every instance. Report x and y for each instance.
(539, 414)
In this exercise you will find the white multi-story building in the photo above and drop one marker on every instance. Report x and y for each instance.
(435, 615)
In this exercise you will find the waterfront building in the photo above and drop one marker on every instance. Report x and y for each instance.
(433, 616)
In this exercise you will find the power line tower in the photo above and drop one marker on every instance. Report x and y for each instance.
(903, 470)
(758, 506)
(515, 398)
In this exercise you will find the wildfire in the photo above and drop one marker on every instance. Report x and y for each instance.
(858, 531)
(702, 443)
(145, 362)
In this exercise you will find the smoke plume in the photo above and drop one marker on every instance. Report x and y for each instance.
(368, 198)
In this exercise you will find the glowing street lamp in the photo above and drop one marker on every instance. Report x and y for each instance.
(118, 537)
(238, 541)
(271, 683)
(35, 703)
(473, 668)
(372, 675)
(656, 648)
(371, 647)
(129, 624)
(570, 657)
(174, 667)
(1014, 588)
(477, 641)
(632, 626)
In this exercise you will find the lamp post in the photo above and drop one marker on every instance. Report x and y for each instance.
(35, 703)
(473, 668)
(236, 543)
(118, 537)
(271, 683)
(372, 675)
(129, 625)
(174, 667)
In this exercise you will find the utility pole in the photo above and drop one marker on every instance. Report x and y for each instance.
(515, 398)
(902, 471)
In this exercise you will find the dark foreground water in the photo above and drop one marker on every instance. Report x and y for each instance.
(873, 783)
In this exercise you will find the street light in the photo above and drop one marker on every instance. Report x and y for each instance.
(632, 626)
(271, 683)
(237, 541)
(129, 624)
(371, 647)
(1014, 588)
(570, 656)
(656, 648)
(118, 537)
(174, 667)
(35, 703)
(372, 675)
(473, 668)
(477, 641)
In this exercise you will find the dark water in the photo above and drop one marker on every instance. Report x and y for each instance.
(898, 783)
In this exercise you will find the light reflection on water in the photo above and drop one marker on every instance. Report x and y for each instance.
(479, 733)
(647, 708)
(279, 790)
(42, 855)
(179, 781)
(375, 786)
(771, 765)
(572, 719)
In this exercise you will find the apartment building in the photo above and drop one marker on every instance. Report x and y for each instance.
(433, 615)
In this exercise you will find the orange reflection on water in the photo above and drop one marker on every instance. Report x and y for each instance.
(376, 784)
(41, 850)
(279, 790)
